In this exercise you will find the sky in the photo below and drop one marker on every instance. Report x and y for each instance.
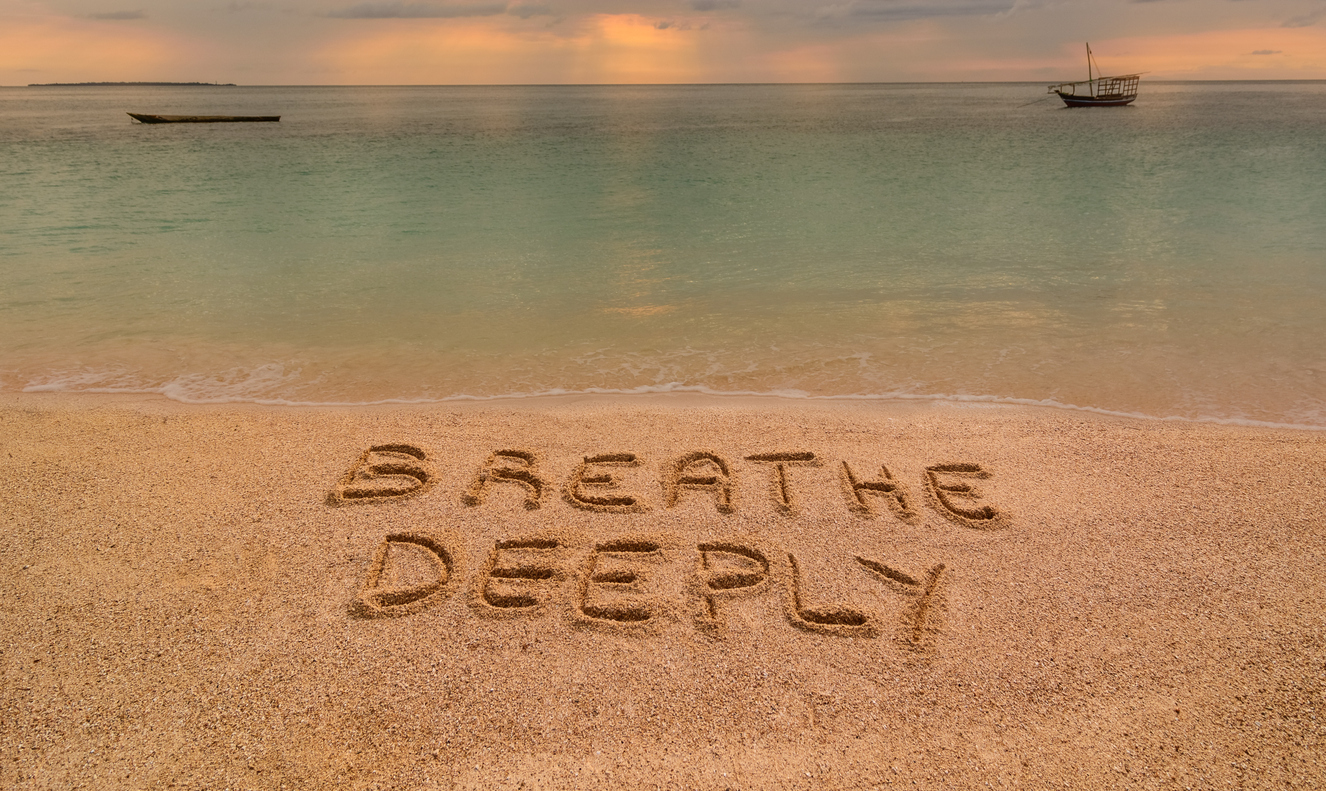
(458, 42)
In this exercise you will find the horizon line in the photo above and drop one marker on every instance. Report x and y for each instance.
(194, 84)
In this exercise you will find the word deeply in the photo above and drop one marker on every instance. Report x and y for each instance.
(630, 583)
(396, 471)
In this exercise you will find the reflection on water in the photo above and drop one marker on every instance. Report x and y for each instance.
(425, 243)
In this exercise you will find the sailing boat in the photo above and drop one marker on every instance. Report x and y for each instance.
(1099, 91)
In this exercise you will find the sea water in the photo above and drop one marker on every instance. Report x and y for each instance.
(971, 242)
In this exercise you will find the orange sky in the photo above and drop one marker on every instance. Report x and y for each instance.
(654, 41)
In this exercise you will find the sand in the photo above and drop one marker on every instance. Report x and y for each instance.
(673, 592)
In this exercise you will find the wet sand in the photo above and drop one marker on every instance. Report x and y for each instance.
(669, 592)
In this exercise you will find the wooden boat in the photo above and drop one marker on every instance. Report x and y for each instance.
(200, 119)
(1098, 91)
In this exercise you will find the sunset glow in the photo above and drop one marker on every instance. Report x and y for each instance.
(1277, 53)
(74, 46)
(655, 41)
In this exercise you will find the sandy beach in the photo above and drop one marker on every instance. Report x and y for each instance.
(669, 592)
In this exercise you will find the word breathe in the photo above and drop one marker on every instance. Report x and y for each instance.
(392, 472)
(635, 583)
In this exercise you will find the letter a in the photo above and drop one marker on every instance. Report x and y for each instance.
(704, 471)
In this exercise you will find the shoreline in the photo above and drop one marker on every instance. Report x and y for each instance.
(671, 591)
(691, 396)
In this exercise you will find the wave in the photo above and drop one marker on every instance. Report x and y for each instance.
(249, 387)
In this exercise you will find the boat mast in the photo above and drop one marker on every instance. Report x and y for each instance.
(1090, 87)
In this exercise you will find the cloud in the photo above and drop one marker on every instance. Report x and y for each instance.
(527, 10)
(400, 10)
(1022, 5)
(118, 15)
(895, 11)
(578, 41)
(1307, 20)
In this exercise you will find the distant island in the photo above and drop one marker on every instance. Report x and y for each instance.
(104, 84)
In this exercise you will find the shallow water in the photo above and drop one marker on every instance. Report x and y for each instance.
(964, 241)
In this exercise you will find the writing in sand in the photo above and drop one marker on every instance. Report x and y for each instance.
(633, 582)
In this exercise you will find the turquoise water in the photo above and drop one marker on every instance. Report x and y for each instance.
(960, 241)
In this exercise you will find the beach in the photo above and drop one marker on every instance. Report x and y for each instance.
(671, 591)
(826, 436)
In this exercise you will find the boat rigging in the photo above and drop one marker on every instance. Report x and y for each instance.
(1098, 91)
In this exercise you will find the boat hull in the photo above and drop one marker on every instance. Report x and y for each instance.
(1096, 101)
(203, 119)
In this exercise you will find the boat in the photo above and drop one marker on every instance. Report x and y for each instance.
(201, 119)
(1098, 91)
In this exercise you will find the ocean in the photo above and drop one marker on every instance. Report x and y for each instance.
(971, 242)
